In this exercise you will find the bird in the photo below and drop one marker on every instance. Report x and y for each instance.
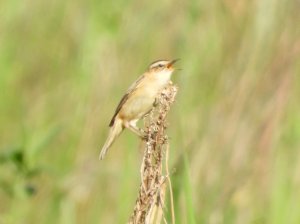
(138, 101)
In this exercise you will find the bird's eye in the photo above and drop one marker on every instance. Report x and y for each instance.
(160, 65)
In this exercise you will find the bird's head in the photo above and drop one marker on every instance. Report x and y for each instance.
(162, 66)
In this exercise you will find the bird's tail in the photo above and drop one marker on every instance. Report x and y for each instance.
(114, 132)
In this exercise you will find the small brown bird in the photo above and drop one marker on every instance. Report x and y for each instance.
(138, 101)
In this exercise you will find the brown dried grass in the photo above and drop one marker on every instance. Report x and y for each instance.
(150, 204)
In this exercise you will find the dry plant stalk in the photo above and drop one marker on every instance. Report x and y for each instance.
(150, 202)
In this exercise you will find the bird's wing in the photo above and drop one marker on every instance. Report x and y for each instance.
(131, 89)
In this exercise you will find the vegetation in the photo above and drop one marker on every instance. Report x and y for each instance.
(234, 128)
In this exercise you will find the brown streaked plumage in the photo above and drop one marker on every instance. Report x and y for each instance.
(138, 100)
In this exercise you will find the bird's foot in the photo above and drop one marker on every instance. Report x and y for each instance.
(143, 135)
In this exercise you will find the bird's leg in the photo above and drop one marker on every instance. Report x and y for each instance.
(155, 103)
(136, 130)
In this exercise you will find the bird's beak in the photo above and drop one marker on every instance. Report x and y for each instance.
(170, 65)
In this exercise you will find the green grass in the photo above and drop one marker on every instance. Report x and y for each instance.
(234, 128)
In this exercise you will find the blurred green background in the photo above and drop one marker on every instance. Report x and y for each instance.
(234, 129)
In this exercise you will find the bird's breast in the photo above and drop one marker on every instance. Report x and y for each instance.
(141, 100)
(157, 81)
